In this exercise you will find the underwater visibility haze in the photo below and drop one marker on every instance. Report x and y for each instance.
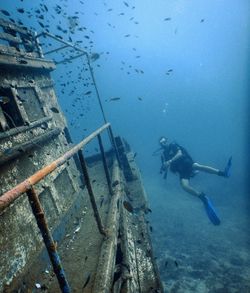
(178, 69)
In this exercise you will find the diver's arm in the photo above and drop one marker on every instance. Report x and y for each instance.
(176, 157)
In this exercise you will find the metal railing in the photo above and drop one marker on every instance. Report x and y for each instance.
(81, 53)
(27, 186)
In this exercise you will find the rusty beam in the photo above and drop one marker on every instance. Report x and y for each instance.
(10, 196)
(48, 239)
(105, 165)
(91, 193)
(112, 139)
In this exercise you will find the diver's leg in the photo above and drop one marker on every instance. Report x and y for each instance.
(186, 186)
(207, 169)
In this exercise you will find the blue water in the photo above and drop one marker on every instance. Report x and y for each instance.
(180, 69)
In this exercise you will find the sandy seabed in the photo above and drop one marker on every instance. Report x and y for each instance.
(192, 254)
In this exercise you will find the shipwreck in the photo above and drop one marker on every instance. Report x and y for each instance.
(69, 222)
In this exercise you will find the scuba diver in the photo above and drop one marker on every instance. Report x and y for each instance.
(179, 161)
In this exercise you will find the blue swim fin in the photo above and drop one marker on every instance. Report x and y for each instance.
(211, 213)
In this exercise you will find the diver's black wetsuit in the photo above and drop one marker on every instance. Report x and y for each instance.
(182, 165)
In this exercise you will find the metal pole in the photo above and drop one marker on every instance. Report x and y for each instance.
(8, 197)
(39, 49)
(97, 92)
(69, 59)
(55, 50)
(88, 61)
(114, 145)
(105, 165)
(61, 41)
(48, 239)
(91, 193)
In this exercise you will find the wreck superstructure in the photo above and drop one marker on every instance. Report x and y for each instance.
(89, 211)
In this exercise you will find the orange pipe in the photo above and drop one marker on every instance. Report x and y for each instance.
(8, 197)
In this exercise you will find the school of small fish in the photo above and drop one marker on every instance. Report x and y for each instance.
(51, 17)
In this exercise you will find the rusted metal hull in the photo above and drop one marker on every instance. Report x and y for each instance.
(92, 224)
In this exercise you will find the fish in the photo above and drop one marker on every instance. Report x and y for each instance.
(116, 182)
(5, 12)
(59, 28)
(176, 263)
(127, 36)
(125, 3)
(148, 253)
(87, 281)
(41, 24)
(101, 202)
(167, 18)
(128, 206)
(170, 70)
(94, 56)
(20, 10)
(139, 98)
(88, 93)
(23, 61)
(59, 37)
(114, 99)
(202, 20)
(54, 109)
(4, 100)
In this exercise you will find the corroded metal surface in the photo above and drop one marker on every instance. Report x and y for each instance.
(8, 197)
(33, 137)
(32, 134)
